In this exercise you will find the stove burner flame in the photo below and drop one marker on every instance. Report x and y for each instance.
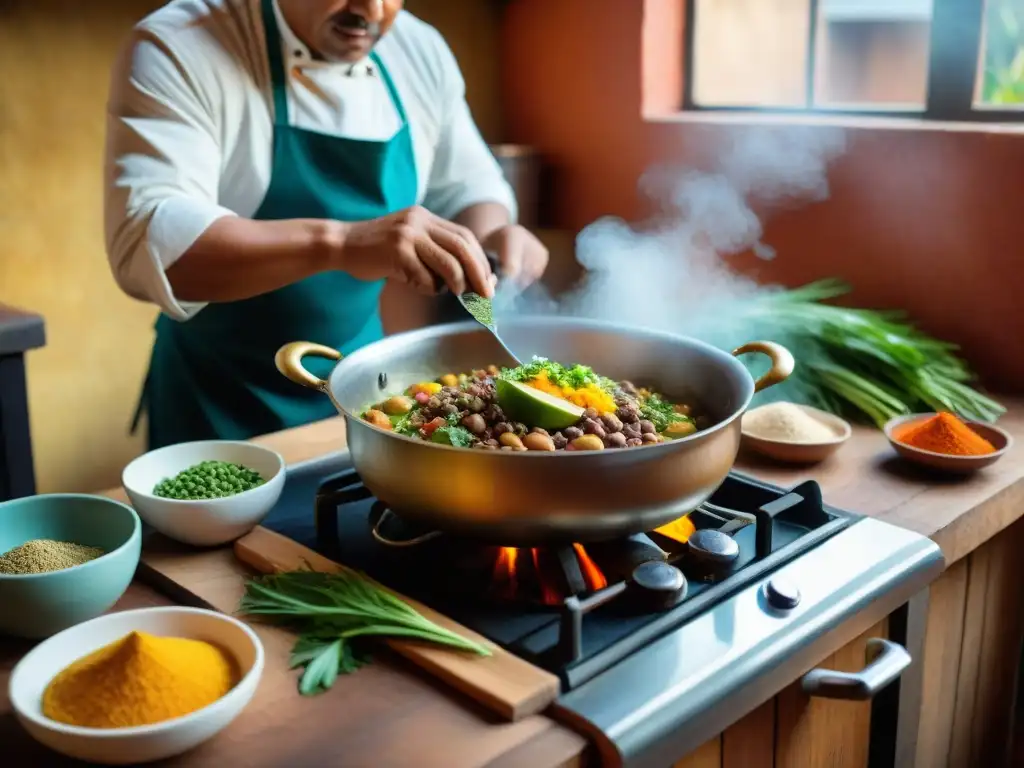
(516, 577)
(591, 573)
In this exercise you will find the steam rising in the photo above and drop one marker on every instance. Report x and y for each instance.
(670, 276)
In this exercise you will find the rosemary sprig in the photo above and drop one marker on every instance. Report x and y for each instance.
(332, 611)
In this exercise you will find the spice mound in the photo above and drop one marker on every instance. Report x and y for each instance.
(943, 433)
(45, 555)
(208, 480)
(140, 679)
(788, 422)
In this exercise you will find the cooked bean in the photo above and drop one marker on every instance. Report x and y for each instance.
(560, 441)
(493, 370)
(611, 422)
(396, 405)
(590, 413)
(463, 402)
(449, 409)
(510, 439)
(538, 442)
(631, 430)
(588, 443)
(475, 423)
(539, 431)
(572, 432)
(502, 427)
(476, 404)
(615, 440)
(594, 427)
(518, 428)
(629, 413)
(649, 437)
(647, 427)
(492, 442)
(378, 418)
(434, 402)
(628, 387)
(449, 380)
(633, 442)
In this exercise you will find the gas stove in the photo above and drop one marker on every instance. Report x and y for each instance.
(660, 640)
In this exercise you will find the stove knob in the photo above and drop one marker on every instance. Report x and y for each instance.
(782, 594)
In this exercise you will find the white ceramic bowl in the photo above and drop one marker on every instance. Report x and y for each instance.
(141, 744)
(206, 522)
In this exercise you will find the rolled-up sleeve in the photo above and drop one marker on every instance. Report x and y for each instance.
(162, 171)
(464, 172)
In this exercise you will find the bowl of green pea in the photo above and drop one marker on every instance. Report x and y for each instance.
(205, 493)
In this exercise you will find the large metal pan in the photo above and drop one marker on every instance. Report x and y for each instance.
(529, 498)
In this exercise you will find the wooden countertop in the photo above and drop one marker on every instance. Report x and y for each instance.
(408, 719)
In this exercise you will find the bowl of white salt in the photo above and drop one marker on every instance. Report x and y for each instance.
(793, 433)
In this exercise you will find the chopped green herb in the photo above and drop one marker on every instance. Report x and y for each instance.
(659, 412)
(575, 377)
(401, 424)
(479, 307)
(460, 437)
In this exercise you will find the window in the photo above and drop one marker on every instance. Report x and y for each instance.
(938, 59)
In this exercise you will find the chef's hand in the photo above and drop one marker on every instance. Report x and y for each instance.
(522, 258)
(412, 246)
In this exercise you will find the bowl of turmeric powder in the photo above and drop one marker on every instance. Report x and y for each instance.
(136, 686)
(944, 442)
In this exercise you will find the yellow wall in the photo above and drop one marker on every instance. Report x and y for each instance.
(54, 63)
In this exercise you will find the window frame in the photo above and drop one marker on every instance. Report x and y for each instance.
(954, 47)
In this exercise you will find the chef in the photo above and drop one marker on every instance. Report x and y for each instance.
(282, 170)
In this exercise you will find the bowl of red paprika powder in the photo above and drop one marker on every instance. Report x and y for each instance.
(944, 442)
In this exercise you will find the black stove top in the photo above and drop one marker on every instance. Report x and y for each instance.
(550, 612)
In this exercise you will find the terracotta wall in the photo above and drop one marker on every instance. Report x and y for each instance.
(921, 217)
(54, 63)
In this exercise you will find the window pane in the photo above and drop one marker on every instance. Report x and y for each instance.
(1001, 68)
(872, 54)
(751, 53)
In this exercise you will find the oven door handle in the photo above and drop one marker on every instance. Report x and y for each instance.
(885, 662)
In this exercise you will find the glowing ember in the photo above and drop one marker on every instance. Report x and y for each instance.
(549, 595)
(678, 530)
(591, 573)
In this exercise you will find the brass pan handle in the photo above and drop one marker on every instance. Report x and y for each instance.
(289, 362)
(782, 362)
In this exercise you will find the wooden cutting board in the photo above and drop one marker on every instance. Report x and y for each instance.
(504, 683)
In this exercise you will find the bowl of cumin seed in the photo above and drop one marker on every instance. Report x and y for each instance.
(65, 558)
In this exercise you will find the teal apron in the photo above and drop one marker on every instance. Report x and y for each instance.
(213, 376)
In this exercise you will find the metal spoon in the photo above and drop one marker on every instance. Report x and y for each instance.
(473, 302)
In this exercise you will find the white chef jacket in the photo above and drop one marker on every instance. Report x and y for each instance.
(190, 128)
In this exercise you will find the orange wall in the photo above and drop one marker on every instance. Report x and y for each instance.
(921, 217)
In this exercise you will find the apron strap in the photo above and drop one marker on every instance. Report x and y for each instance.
(278, 81)
(392, 90)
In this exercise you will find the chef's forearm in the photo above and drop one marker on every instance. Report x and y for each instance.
(238, 258)
(484, 218)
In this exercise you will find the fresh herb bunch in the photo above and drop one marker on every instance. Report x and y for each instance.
(331, 611)
(868, 363)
